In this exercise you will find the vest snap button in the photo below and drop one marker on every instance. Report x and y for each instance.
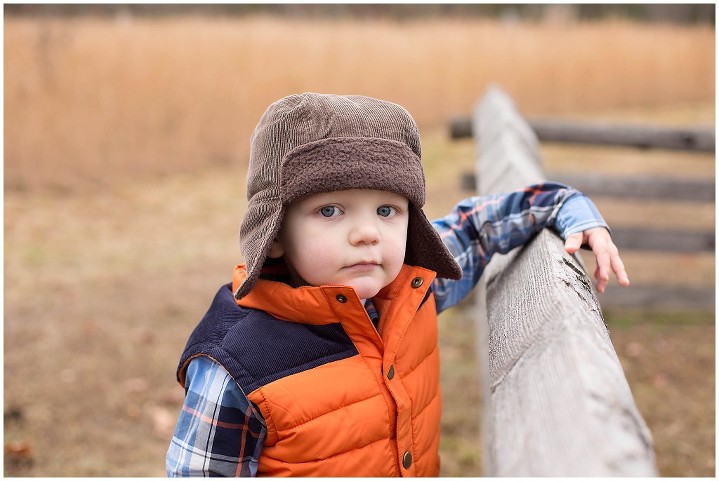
(407, 460)
(340, 298)
(390, 372)
(417, 282)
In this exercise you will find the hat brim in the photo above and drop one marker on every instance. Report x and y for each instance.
(352, 163)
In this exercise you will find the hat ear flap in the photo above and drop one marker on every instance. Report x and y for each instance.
(425, 247)
(259, 227)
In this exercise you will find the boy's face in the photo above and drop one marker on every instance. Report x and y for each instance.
(353, 237)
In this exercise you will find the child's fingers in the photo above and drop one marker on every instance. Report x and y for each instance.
(605, 252)
(616, 264)
(608, 261)
(573, 243)
(603, 266)
(619, 271)
(601, 246)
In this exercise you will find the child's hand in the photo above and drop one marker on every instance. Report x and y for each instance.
(604, 250)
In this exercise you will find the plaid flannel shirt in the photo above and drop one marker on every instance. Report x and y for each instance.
(220, 433)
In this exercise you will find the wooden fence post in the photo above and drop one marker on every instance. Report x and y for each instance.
(556, 400)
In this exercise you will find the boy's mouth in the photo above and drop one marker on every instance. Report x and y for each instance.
(362, 266)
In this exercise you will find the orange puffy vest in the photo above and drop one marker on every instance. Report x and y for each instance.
(371, 411)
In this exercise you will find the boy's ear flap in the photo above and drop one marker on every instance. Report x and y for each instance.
(276, 250)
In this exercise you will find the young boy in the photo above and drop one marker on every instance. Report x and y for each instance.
(321, 358)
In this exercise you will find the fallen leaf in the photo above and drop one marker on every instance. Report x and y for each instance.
(18, 450)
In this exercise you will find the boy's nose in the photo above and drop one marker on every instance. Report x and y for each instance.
(364, 233)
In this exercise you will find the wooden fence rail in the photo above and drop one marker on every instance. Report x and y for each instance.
(556, 400)
(623, 187)
(553, 130)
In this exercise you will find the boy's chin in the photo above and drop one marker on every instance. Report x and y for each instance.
(366, 290)
(367, 287)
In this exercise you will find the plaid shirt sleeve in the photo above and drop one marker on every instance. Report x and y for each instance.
(218, 432)
(480, 227)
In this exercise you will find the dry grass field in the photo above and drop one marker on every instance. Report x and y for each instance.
(88, 100)
(125, 152)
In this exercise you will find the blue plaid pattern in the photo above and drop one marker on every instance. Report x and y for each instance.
(480, 227)
(219, 433)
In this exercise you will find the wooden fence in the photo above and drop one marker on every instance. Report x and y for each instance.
(699, 192)
(556, 400)
(553, 130)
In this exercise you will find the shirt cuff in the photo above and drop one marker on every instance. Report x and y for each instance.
(577, 214)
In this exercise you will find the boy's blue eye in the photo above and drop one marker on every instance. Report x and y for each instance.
(328, 211)
(385, 210)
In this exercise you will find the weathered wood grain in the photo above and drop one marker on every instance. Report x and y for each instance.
(557, 402)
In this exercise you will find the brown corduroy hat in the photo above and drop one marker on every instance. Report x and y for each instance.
(310, 143)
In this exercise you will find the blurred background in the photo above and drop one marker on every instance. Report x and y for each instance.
(126, 146)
